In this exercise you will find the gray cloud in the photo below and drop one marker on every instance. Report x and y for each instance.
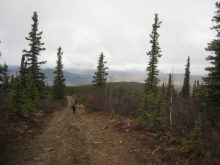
(119, 29)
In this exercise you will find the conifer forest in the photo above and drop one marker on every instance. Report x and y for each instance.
(190, 119)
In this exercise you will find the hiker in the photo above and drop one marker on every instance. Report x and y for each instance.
(74, 106)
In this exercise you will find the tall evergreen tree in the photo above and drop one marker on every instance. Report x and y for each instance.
(152, 81)
(58, 90)
(212, 81)
(100, 79)
(152, 102)
(31, 56)
(5, 84)
(23, 72)
(185, 92)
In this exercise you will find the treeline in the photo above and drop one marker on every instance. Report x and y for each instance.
(133, 88)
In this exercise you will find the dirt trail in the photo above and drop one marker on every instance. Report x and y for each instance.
(80, 138)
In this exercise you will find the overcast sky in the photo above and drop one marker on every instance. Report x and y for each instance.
(118, 28)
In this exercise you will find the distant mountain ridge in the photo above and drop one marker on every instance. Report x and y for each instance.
(73, 79)
(77, 77)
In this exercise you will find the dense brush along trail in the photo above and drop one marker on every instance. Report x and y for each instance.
(88, 139)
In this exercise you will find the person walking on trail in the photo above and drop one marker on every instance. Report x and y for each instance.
(74, 106)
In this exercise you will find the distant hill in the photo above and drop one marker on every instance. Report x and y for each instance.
(72, 79)
(76, 77)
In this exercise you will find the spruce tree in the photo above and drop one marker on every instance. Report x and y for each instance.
(12, 80)
(169, 87)
(100, 79)
(194, 90)
(6, 77)
(212, 81)
(31, 96)
(23, 72)
(16, 99)
(198, 91)
(152, 81)
(185, 92)
(31, 56)
(58, 90)
(152, 102)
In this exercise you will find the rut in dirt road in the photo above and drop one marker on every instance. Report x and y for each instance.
(77, 139)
